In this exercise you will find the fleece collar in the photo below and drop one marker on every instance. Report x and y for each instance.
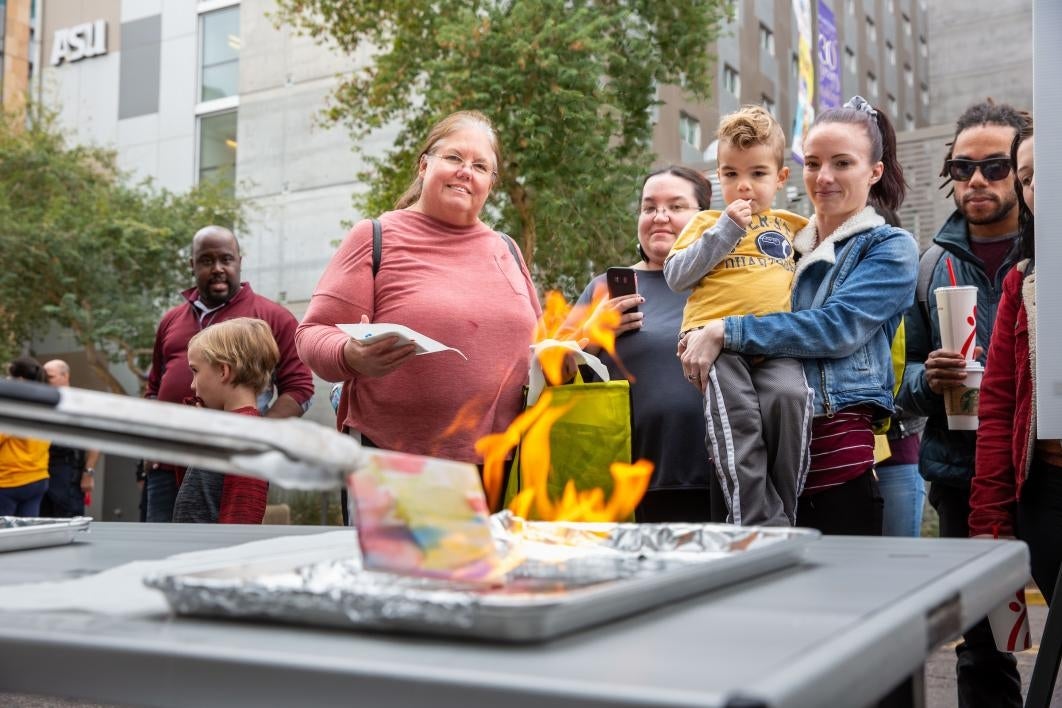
(805, 239)
(1028, 298)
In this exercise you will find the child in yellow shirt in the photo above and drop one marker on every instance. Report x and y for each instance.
(740, 262)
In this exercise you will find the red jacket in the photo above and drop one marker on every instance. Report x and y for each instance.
(1007, 429)
(221, 498)
(171, 379)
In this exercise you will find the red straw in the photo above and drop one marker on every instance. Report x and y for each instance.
(951, 272)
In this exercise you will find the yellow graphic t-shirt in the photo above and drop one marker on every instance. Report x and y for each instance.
(755, 278)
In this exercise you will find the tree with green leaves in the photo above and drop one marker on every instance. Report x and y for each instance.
(86, 251)
(569, 85)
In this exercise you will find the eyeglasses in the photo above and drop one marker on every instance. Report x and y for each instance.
(993, 169)
(454, 160)
(653, 211)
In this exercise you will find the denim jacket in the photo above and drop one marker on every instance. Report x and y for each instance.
(947, 456)
(849, 294)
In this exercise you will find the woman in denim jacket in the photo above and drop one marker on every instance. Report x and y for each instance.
(855, 278)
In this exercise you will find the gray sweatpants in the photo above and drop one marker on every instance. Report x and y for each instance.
(759, 433)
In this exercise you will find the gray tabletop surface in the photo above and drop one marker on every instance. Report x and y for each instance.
(841, 629)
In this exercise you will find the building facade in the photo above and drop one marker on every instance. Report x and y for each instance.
(882, 48)
(980, 48)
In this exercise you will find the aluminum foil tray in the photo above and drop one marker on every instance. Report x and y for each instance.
(572, 576)
(17, 533)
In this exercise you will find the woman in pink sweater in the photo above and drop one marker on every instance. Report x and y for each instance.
(443, 273)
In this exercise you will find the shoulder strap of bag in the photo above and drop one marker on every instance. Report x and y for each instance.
(511, 244)
(377, 246)
(927, 263)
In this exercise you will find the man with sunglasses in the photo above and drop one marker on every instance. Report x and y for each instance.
(978, 241)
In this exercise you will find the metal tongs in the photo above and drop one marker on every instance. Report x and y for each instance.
(293, 453)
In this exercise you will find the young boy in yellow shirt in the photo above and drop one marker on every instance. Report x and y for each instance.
(739, 262)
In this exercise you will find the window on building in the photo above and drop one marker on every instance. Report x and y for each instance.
(894, 108)
(906, 24)
(219, 53)
(768, 103)
(850, 6)
(908, 75)
(216, 110)
(923, 47)
(766, 40)
(217, 147)
(925, 95)
(731, 80)
(850, 59)
(909, 120)
(890, 52)
(795, 65)
(690, 130)
(872, 84)
(872, 30)
(890, 7)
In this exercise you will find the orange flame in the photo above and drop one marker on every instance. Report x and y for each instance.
(565, 322)
(630, 481)
(600, 323)
(495, 448)
(562, 322)
(467, 418)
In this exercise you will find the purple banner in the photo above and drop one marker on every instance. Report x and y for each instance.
(829, 59)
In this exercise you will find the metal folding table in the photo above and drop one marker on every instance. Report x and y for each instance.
(854, 621)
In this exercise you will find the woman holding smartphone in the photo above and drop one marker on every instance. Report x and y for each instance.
(668, 423)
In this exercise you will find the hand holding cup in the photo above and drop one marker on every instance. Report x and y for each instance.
(947, 369)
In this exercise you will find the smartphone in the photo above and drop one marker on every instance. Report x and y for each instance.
(622, 281)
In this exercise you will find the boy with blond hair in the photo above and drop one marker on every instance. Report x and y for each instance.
(739, 262)
(231, 363)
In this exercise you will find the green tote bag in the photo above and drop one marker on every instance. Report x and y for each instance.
(588, 438)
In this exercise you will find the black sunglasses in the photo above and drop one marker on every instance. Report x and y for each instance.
(993, 169)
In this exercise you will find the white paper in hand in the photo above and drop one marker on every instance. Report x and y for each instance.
(367, 333)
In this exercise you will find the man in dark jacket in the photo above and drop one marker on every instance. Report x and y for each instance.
(71, 472)
(977, 239)
(219, 295)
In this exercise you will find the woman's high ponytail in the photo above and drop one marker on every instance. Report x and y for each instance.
(890, 190)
